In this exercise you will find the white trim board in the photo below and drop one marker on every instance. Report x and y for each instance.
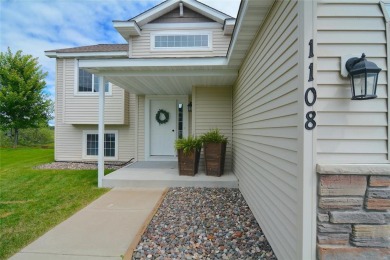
(53, 54)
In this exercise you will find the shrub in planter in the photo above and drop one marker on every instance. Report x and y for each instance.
(214, 147)
(188, 150)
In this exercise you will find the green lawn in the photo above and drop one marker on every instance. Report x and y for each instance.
(33, 201)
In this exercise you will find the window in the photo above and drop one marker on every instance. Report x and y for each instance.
(180, 41)
(91, 149)
(89, 82)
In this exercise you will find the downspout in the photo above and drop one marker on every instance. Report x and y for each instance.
(101, 132)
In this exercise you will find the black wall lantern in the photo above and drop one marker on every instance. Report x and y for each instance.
(364, 77)
(189, 106)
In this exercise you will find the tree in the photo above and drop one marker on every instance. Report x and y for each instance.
(22, 101)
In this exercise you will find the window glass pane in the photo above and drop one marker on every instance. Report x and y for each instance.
(93, 145)
(96, 84)
(205, 40)
(109, 145)
(85, 81)
(181, 41)
(89, 82)
(180, 121)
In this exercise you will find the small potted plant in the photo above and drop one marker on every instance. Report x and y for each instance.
(214, 147)
(188, 150)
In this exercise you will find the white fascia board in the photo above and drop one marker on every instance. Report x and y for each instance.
(220, 72)
(156, 12)
(86, 54)
(228, 27)
(181, 26)
(164, 62)
(238, 23)
(127, 28)
(206, 11)
(51, 54)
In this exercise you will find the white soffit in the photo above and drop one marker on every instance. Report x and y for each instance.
(163, 76)
(251, 16)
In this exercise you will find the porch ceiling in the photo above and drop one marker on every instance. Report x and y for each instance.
(169, 78)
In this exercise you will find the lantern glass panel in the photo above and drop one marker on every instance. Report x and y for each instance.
(371, 83)
(359, 84)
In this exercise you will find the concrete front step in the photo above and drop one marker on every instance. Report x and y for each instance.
(164, 174)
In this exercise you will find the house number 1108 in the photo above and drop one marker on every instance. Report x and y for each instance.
(310, 116)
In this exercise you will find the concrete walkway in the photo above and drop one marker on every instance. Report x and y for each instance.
(102, 230)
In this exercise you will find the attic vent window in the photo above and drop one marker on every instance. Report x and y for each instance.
(181, 41)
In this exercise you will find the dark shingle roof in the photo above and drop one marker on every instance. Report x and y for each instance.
(94, 48)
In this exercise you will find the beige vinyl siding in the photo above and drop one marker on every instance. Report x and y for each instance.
(350, 131)
(212, 108)
(265, 130)
(141, 128)
(141, 46)
(82, 108)
(69, 137)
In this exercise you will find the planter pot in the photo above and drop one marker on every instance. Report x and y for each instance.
(188, 163)
(214, 156)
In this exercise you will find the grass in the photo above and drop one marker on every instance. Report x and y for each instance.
(32, 201)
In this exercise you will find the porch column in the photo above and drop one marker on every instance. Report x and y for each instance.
(101, 132)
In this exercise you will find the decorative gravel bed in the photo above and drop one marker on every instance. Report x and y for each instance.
(203, 223)
(80, 165)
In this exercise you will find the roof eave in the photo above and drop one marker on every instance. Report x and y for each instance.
(107, 54)
(127, 28)
(228, 26)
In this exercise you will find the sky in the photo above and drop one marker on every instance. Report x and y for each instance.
(35, 26)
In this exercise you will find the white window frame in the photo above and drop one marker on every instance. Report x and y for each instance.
(95, 157)
(86, 93)
(178, 49)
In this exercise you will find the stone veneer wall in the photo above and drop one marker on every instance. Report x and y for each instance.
(353, 218)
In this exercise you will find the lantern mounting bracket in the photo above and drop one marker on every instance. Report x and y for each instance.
(353, 61)
(344, 59)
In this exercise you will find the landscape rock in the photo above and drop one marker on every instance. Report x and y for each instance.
(204, 223)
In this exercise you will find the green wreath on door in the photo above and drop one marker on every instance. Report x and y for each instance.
(162, 116)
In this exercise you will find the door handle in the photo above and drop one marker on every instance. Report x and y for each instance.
(173, 130)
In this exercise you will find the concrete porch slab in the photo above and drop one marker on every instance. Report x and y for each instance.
(164, 174)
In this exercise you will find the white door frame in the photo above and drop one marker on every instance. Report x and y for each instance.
(148, 98)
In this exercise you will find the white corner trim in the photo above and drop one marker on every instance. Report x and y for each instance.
(354, 169)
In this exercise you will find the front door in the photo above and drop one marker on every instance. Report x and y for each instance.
(163, 134)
